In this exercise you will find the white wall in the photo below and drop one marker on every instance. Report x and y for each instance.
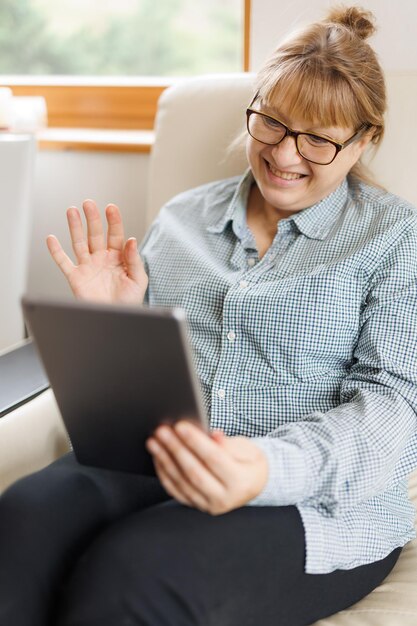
(64, 179)
(395, 41)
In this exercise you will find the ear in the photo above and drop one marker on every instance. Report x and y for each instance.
(361, 144)
(365, 140)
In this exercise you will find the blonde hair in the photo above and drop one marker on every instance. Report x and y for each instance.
(326, 73)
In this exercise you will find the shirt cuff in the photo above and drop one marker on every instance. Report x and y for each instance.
(288, 477)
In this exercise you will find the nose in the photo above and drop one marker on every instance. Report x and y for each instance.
(286, 151)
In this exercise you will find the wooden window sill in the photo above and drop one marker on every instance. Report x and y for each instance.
(94, 139)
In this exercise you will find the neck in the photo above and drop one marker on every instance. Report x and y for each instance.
(259, 221)
(261, 213)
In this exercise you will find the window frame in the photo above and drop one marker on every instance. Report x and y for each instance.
(105, 103)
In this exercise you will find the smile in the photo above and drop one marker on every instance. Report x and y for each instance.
(284, 175)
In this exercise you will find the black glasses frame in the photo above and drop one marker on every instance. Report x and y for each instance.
(289, 132)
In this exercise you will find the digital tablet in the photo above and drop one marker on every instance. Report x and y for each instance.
(116, 372)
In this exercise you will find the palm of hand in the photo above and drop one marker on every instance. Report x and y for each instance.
(105, 279)
(109, 271)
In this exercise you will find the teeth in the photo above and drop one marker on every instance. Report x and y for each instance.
(284, 175)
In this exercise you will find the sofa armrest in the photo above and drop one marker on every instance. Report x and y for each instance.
(22, 376)
(31, 430)
(31, 436)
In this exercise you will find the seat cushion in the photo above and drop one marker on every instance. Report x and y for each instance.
(31, 436)
(394, 602)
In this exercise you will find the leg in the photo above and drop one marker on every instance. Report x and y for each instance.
(175, 566)
(47, 518)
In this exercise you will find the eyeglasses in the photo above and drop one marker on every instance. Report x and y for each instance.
(314, 148)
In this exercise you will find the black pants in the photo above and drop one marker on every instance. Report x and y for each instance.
(87, 547)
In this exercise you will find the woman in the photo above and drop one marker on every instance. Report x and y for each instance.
(299, 280)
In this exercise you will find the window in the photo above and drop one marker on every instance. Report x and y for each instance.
(96, 61)
(120, 37)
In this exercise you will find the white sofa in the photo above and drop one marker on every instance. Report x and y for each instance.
(196, 122)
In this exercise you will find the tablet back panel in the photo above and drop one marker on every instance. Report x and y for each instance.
(116, 374)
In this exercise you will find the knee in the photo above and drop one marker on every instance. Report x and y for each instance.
(19, 502)
(47, 494)
(135, 580)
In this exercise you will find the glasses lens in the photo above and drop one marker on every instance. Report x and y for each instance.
(265, 129)
(316, 149)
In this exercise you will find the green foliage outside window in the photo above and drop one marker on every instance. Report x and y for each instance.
(149, 37)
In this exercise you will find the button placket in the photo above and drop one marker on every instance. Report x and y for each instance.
(228, 357)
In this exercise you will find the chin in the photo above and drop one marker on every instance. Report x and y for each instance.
(286, 201)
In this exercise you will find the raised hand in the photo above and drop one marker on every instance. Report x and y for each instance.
(106, 271)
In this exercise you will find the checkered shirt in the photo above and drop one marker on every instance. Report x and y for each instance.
(311, 351)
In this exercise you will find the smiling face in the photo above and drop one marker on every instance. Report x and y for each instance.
(287, 182)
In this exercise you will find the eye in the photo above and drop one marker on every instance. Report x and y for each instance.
(271, 123)
(315, 140)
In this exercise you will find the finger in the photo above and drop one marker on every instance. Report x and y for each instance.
(172, 479)
(79, 243)
(115, 230)
(133, 262)
(215, 457)
(164, 459)
(193, 500)
(177, 478)
(59, 256)
(95, 233)
(191, 467)
(161, 455)
(169, 486)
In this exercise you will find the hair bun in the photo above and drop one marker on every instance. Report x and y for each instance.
(358, 20)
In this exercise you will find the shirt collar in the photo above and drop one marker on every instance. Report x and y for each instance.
(314, 222)
(317, 220)
(236, 211)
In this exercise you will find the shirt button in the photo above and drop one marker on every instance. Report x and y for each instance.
(221, 394)
(231, 335)
(243, 283)
(251, 261)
